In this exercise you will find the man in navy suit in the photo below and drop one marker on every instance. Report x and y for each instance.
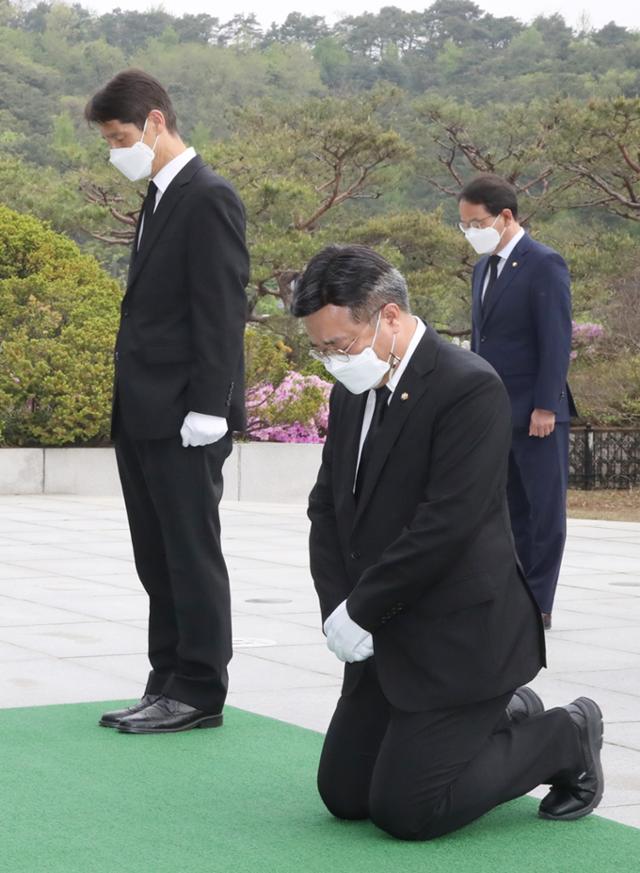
(521, 324)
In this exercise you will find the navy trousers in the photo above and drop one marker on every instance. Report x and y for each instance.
(537, 494)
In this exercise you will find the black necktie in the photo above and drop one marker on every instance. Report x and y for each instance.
(382, 401)
(148, 209)
(492, 267)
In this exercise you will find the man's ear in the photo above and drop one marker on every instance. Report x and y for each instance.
(158, 120)
(391, 312)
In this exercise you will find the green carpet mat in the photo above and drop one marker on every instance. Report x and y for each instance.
(76, 798)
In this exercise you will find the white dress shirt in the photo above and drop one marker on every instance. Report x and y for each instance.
(503, 254)
(164, 177)
(392, 384)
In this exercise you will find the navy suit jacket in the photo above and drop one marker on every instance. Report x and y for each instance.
(524, 329)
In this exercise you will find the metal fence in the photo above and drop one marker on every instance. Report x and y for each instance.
(604, 458)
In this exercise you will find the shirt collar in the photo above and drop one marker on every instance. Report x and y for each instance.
(510, 246)
(418, 333)
(167, 174)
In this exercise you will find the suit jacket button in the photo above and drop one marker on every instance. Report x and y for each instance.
(125, 314)
(354, 556)
(483, 339)
(116, 355)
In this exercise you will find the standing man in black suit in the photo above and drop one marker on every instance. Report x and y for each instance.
(521, 324)
(178, 395)
(420, 592)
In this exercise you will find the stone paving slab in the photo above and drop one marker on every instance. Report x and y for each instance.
(73, 620)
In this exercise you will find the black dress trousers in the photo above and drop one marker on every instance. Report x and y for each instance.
(419, 775)
(172, 495)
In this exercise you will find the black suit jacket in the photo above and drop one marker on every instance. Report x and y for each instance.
(426, 558)
(180, 342)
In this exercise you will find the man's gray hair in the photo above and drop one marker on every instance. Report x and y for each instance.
(390, 287)
(353, 276)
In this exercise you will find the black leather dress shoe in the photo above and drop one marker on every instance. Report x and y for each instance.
(578, 796)
(546, 620)
(167, 716)
(113, 718)
(524, 703)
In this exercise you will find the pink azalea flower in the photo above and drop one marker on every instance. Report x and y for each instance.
(266, 404)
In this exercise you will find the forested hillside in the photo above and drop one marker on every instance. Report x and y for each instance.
(362, 131)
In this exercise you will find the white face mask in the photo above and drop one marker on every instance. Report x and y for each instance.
(135, 162)
(483, 239)
(360, 372)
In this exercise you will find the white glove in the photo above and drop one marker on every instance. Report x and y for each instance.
(199, 429)
(346, 639)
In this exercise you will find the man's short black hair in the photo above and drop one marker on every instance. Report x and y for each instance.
(352, 276)
(491, 191)
(129, 98)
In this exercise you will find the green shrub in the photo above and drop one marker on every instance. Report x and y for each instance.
(58, 319)
(267, 356)
(607, 390)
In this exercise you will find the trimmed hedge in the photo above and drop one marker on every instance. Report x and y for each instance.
(59, 314)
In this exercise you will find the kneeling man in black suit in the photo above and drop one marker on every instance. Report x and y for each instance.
(419, 585)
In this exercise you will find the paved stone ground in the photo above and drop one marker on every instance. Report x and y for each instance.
(72, 620)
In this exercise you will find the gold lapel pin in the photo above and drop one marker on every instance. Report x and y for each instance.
(404, 396)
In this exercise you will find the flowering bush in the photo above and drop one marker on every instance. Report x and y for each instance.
(585, 338)
(295, 411)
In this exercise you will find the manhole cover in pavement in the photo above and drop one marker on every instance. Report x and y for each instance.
(267, 600)
(252, 643)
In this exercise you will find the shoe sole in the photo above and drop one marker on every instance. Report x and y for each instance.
(108, 724)
(595, 732)
(208, 721)
(533, 702)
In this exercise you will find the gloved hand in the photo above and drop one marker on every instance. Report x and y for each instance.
(199, 429)
(346, 639)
